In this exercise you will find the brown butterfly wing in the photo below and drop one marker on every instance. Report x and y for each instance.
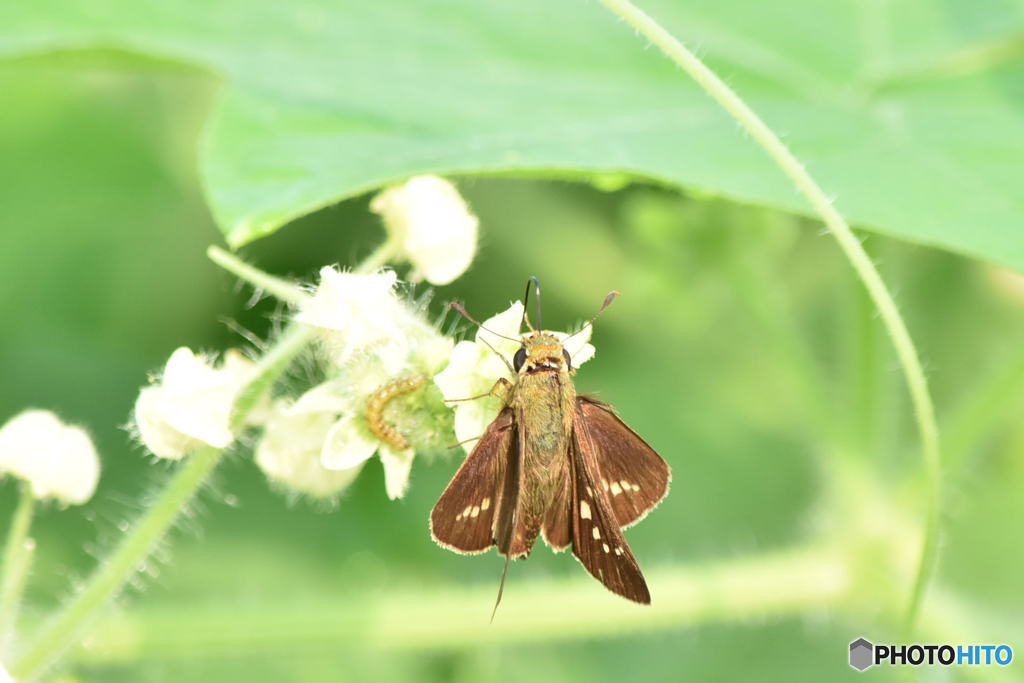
(633, 475)
(597, 539)
(467, 514)
(557, 529)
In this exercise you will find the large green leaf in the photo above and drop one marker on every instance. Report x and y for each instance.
(910, 112)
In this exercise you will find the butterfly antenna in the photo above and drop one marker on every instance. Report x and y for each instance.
(462, 311)
(607, 302)
(526, 303)
(501, 586)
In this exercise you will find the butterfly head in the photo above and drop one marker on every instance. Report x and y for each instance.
(541, 351)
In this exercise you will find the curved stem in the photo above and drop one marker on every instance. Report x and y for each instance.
(896, 328)
(18, 552)
(378, 258)
(779, 584)
(280, 288)
(271, 365)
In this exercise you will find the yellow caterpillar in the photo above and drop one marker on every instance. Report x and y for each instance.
(380, 399)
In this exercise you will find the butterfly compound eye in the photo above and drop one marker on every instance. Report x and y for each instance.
(519, 358)
(568, 359)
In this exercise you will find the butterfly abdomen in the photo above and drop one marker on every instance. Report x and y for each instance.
(375, 406)
(544, 403)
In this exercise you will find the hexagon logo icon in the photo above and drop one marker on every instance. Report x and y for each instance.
(862, 654)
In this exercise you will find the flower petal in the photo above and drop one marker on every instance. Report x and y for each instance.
(155, 432)
(186, 372)
(323, 398)
(347, 445)
(504, 324)
(397, 466)
(289, 453)
(472, 419)
(577, 346)
(458, 379)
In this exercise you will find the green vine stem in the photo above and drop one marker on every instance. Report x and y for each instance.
(107, 581)
(282, 289)
(17, 559)
(380, 256)
(906, 353)
(984, 407)
(294, 339)
(787, 582)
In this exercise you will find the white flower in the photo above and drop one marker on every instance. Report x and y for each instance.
(358, 313)
(432, 225)
(347, 442)
(290, 449)
(191, 404)
(475, 367)
(337, 406)
(57, 460)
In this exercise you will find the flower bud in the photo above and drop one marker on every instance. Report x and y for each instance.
(57, 460)
(432, 226)
(190, 406)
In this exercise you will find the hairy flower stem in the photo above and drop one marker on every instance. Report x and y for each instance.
(282, 289)
(107, 581)
(62, 632)
(917, 385)
(17, 559)
(378, 258)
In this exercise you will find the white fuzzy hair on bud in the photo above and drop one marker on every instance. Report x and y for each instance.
(357, 313)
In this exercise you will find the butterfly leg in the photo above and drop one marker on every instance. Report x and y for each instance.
(505, 385)
(459, 443)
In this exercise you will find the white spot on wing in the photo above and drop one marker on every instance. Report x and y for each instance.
(485, 504)
(618, 550)
(616, 489)
(606, 548)
(584, 509)
(475, 512)
(597, 533)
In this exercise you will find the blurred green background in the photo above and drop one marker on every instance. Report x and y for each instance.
(743, 350)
